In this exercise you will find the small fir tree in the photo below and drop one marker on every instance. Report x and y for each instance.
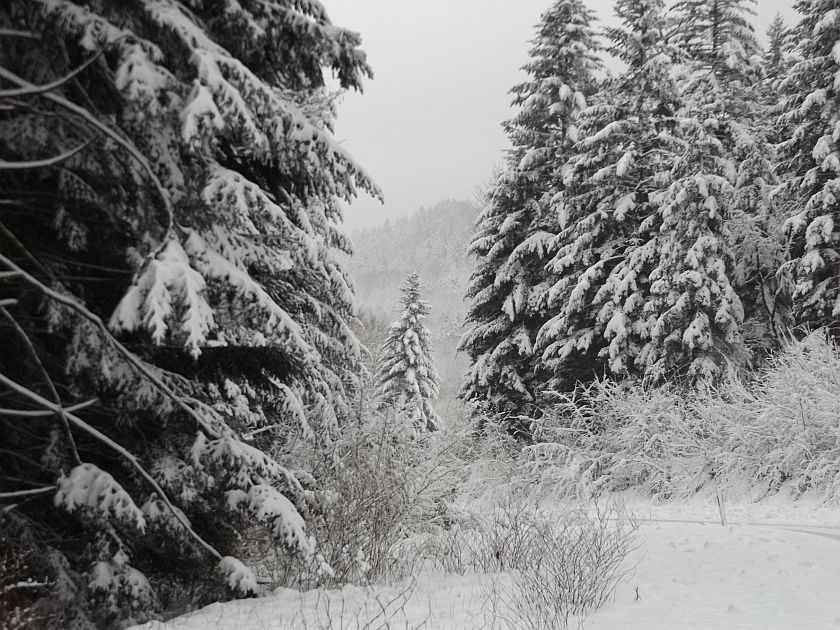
(778, 56)
(408, 381)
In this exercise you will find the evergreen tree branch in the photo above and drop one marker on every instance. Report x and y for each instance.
(133, 151)
(127, 455)
(74, 453)
(129, 356)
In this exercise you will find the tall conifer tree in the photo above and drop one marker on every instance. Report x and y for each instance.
(515, 228)
(810, 165)
(168, 237)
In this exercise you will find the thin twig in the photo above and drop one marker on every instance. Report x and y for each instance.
(25, 493)
(11, 32)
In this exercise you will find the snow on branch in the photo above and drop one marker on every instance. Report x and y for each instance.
(125, 454)
(270, 507)
(126, 354)
(95, 493)
(239, 578)
(167, 289)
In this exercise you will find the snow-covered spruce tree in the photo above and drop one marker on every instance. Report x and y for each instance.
(778, 55)
(721, 121)
(407, 379)
(641, 284)
(601, 269)
(810, 165)
(171, 308)
(756, 221)
(515, 228)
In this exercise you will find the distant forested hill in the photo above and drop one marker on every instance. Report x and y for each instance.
(433, 242)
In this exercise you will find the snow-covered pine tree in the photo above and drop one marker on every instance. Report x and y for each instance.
(605, 251)
(642, 273)
(407, 379)
(171, 306)
(810, 165)
(756, 222)
(514, 229)
(779, 50)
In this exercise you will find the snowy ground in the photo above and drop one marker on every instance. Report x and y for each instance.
(776, 566)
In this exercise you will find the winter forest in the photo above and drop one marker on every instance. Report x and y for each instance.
(603, 393)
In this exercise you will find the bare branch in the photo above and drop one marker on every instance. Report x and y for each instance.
(28, 413)
(25, 493)
(126, 454)
(33, 164)
(10, 32)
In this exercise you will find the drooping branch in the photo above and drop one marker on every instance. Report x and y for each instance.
(126, 454)
(129, 356)
(46, 162)
(74, 453)
(133, 151)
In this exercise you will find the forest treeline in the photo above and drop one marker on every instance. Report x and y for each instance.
(671, 223)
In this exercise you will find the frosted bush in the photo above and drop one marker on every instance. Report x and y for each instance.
(783, 432)
(779, 431)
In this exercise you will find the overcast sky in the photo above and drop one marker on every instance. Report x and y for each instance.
(428, 125)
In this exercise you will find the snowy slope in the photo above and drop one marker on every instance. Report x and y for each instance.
(777, 569)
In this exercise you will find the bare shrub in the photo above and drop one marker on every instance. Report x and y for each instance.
(547, 566)
(387, 484)
(376, 612)
(567, 565)
(609, 437)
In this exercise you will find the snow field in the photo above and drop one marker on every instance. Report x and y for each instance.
(776, 566)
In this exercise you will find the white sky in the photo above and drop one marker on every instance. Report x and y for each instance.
(428, 126)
